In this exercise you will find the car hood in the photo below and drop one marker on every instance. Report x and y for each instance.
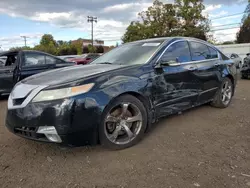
(68, 74)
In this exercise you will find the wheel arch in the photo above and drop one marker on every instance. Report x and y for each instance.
(145, 101)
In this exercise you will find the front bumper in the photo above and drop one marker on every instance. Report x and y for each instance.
(75, 119)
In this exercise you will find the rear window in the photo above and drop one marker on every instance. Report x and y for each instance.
(213, 53)
(199, 51)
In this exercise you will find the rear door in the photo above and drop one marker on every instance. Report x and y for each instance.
(32, 63)
(207, 60)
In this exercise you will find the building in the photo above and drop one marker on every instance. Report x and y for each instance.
(86, 42)
(240, 49)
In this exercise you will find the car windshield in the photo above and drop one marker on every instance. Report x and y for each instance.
(130, 54)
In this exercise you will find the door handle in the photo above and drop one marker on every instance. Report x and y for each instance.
(192, 68)
(216, 64)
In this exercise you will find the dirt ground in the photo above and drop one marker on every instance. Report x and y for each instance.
(203, 147)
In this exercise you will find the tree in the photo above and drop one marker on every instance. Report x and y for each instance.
(47, 40)
(99, 49)
(243, 34)
(78, 46)
(20, 48)
(183, 18)
(91, 48)
(228, 42)
(190, 19)
(246, 12)
(85, 50)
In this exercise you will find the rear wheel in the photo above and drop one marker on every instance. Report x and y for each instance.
(224, 95)
(123, 124)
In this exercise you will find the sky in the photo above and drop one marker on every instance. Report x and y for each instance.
(67, 20)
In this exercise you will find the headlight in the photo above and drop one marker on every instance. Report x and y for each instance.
(48, 95)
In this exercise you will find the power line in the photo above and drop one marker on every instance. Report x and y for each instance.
(92, 19)
(228, 16)
(225, 25)
(224, 29)
(220, 34)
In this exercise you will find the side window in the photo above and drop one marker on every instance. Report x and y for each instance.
(213, 53)
(11, 60)
(58, 61)
(178, 51)
(50, 60)
(31, 59)
(199, 51)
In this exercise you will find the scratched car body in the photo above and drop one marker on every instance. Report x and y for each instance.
(117, 98)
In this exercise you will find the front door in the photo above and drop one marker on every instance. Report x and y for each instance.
(32, 63)
(175, 86)
(6, 74)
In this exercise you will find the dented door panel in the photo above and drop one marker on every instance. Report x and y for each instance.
(176, 89)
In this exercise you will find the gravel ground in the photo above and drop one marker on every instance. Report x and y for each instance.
(203, 147)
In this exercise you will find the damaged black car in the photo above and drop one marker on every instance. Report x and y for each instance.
(117, 98)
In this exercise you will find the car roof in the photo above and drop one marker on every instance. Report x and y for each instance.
(165, 39)
(6, 53)
(14, 52)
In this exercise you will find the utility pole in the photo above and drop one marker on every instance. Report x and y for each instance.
(92, 19)
(25, 39)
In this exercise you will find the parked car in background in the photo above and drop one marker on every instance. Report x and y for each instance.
(237, 60)
(85, 58)
(2, 60)
(116, 98)
(245, 71)
(21, 64)
(68, 57)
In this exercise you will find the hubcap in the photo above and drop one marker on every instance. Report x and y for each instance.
(123, 123)
(226, 93)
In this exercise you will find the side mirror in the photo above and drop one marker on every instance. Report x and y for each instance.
(232, 57)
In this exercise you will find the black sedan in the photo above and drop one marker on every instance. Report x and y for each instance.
(23, 63)
(115, 99)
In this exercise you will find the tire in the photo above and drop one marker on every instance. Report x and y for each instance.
(218, 98)
(139, 127)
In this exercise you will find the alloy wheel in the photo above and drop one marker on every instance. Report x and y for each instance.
(226, 93)
(123, 123)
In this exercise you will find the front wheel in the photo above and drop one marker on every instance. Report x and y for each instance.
(123, 124)
(224, 94)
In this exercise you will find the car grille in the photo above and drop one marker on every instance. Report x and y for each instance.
(29, 132)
